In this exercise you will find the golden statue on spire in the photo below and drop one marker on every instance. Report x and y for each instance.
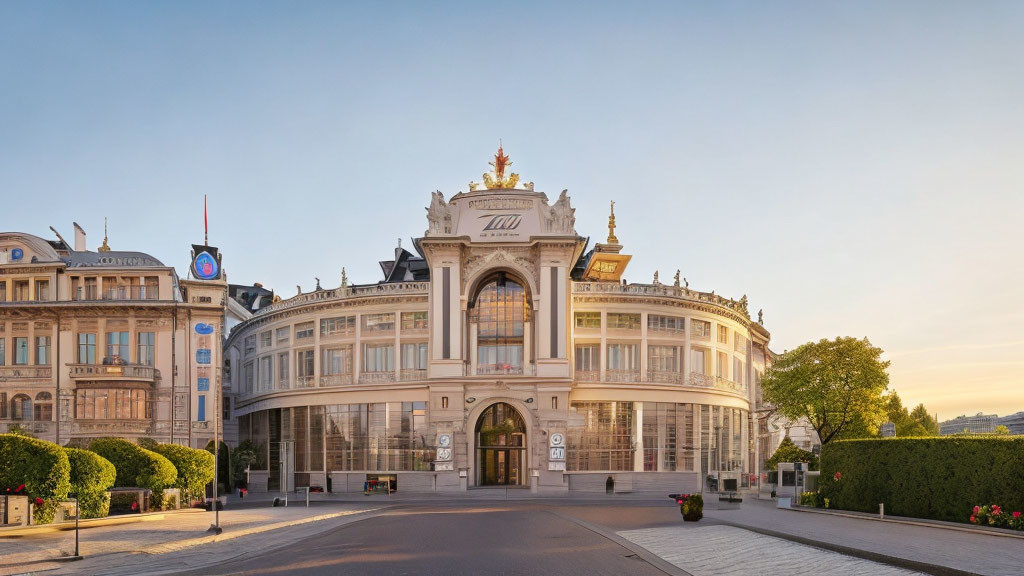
(501, 161)
(611, 226)
(104, 247)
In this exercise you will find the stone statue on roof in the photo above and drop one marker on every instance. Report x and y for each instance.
(439, 215)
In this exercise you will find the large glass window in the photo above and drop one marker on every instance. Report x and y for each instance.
(500, 312)
(618, 321)
(700, 329)
(668, 433)
(664, 323)
(112, 404)
(42, 350)
(21, 407)
(414, 356)
(117, 346)
(586, 320)
(588, 357)
(146, 348)
(266, 373)
(698, 361)
(340, 325)
(304, 363)
(42, 290)
(283, 334)
(378, 358)
(605, 441)
(336, 361)
(43, 409)
(266, 339)
(378, 323)
(20, 351)
(663, 358)
(376, 437)
(282, 370)
(414, 321)
(304, 330)
(623, 357)
(3, 351)
(86, 348)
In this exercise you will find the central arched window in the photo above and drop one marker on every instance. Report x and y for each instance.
(500, 312)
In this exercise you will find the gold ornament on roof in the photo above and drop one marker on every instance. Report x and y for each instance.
(498, 180)
(611, 226)
(104, 247)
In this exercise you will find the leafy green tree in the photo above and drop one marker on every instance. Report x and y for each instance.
(789, 452)
(838, 385)
(906, 424)
(926, 420)
(1002, 430)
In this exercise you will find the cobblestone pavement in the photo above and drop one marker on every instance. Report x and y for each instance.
(724, 550)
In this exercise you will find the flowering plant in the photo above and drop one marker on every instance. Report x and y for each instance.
(691, 506)
(38, 501)
(838, 476)
(994, 515)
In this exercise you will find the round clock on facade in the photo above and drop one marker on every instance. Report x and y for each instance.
(557, 439)
(444, 440)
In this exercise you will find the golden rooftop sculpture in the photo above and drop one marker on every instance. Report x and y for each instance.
(501, 161)
(104, 247)
(611, 226)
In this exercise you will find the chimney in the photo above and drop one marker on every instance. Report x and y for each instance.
(79, 238)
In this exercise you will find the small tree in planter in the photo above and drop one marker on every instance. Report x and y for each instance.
(691, 506)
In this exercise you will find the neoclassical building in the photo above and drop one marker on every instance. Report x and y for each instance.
(503, 351)
(107, 342)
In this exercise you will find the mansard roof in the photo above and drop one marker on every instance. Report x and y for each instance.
(112, 259)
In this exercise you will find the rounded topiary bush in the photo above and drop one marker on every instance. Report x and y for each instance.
(41, 466)
(91, 476)
(137, 467)
(195, 469)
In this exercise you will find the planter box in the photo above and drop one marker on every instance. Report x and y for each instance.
(14, 511)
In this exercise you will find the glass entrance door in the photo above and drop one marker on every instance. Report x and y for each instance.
(501, 447)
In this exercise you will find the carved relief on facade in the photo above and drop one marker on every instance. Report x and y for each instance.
(485, 258)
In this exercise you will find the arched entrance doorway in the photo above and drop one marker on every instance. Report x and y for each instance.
(501, 446)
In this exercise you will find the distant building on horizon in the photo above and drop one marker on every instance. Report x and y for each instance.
(977, 424)
(888, 430)
(1015, 422)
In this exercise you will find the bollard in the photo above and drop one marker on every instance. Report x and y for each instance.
(881, 511)
(307, 496)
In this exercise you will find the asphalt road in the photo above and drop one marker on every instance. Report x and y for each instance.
(484, 538)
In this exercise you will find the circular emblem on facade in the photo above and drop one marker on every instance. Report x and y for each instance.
(444, 440)
(202, 328)
(557, 439)
(17, 254)
(444, 454)
(205, 266)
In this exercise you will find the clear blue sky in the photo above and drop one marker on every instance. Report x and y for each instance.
(855, 169)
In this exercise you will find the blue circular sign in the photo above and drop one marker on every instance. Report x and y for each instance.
(202, 328)
(205, 266)
(17, 254)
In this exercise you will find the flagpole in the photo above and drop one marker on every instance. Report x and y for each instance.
(206, 225)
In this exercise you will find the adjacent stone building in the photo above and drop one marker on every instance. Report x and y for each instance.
(107, 342)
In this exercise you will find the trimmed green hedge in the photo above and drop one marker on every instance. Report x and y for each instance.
(137, 467)
(941, 478)
(91, 476)
(195, 469)
(41, 466)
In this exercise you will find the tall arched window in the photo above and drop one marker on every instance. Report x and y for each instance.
(43, 407)
(500, 312)
(21, 407)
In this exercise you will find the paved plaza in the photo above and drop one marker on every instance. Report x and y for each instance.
(485, 533)
(725, 550)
